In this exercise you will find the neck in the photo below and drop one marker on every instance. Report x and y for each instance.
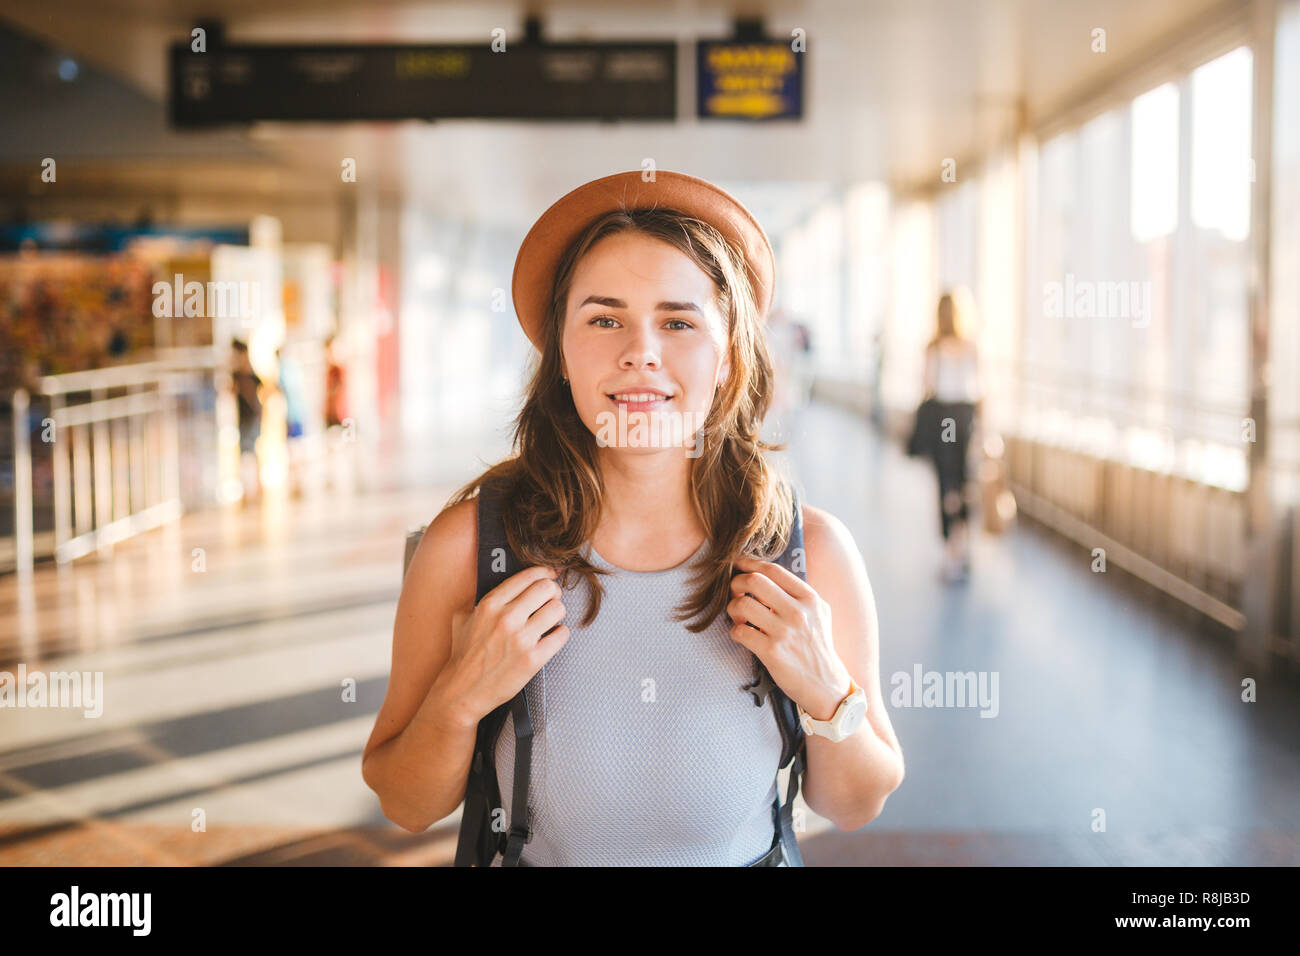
(647, 496)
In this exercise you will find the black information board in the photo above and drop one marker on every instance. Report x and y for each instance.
(240, 83)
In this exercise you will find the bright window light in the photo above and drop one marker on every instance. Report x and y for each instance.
(1154, 208)
(1221, 164)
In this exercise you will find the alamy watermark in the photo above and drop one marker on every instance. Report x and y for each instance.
(638, 429)
(946, 689)
(1085, 299)
(215, 300)
(75, 908)
(84, 689)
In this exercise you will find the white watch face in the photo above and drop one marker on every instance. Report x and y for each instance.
(853, 716)
(843, 722)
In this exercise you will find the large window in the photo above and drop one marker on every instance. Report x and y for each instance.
(1218, 258)
(911, 310)
(1135, 340)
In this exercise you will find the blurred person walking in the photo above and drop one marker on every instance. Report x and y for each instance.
(292, 387)
(952, 380)
(295, 413)
(247, 386)
(340, 429)
(336, 406)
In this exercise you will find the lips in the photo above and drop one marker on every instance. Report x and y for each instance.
(640, 400)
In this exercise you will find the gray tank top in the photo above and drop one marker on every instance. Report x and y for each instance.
(647, 751)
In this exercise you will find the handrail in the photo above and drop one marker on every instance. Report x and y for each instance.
(116, 461)
(124, 406)
(138, 373)
(1050, 376)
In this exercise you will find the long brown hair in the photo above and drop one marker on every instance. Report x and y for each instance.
(553, 489)
(961, 310)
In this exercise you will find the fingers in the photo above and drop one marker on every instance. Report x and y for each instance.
(747, 637)
(544, 618)
(765, 590)
(788, 581)
(515, 615)
(515, 585)
(550, 645)
(746, 610)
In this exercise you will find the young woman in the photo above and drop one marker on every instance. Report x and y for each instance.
(641, 297)
(952, 377)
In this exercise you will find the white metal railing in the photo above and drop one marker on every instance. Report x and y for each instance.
(115, 460)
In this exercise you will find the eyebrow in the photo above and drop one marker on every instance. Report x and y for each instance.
(612, 303)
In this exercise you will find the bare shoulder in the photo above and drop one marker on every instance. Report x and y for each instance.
(827, 542)
(835, 568)
(447, 553)
(439, 581)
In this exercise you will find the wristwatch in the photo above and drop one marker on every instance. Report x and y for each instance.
(848, 716)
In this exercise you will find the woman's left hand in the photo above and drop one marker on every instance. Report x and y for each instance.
(788, 627)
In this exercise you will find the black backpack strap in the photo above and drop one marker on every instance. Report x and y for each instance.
(521, 830)
(477, 843)
(787, 715)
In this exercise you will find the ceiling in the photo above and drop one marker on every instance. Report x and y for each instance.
(894, 87)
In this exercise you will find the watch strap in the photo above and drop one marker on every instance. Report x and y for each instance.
(827, 724)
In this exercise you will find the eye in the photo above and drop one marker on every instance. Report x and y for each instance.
(603, 318)
(682, 322)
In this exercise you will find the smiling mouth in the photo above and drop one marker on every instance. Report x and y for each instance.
(639, 401)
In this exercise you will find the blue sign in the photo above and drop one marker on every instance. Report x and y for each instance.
(756, 80)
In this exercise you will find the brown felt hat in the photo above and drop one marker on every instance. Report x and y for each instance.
(540, 252)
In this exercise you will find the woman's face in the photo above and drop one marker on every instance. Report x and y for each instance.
(641, 318)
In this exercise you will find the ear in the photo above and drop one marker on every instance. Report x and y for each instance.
(724, 373)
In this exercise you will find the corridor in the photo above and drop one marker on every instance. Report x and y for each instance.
(230, 643)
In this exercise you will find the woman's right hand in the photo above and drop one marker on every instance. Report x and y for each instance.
(499, 644)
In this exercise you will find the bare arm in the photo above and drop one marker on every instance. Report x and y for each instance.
(453, 663)
(418, 755)
(848, 782)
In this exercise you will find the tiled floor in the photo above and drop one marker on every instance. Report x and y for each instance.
(226, 736)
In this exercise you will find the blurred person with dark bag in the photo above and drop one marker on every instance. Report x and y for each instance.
(945, 424)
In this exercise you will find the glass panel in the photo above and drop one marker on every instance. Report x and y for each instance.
(1155, 163)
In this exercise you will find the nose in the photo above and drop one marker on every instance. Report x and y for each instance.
(642, 351)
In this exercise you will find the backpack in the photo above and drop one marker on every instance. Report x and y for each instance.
(478, 842)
